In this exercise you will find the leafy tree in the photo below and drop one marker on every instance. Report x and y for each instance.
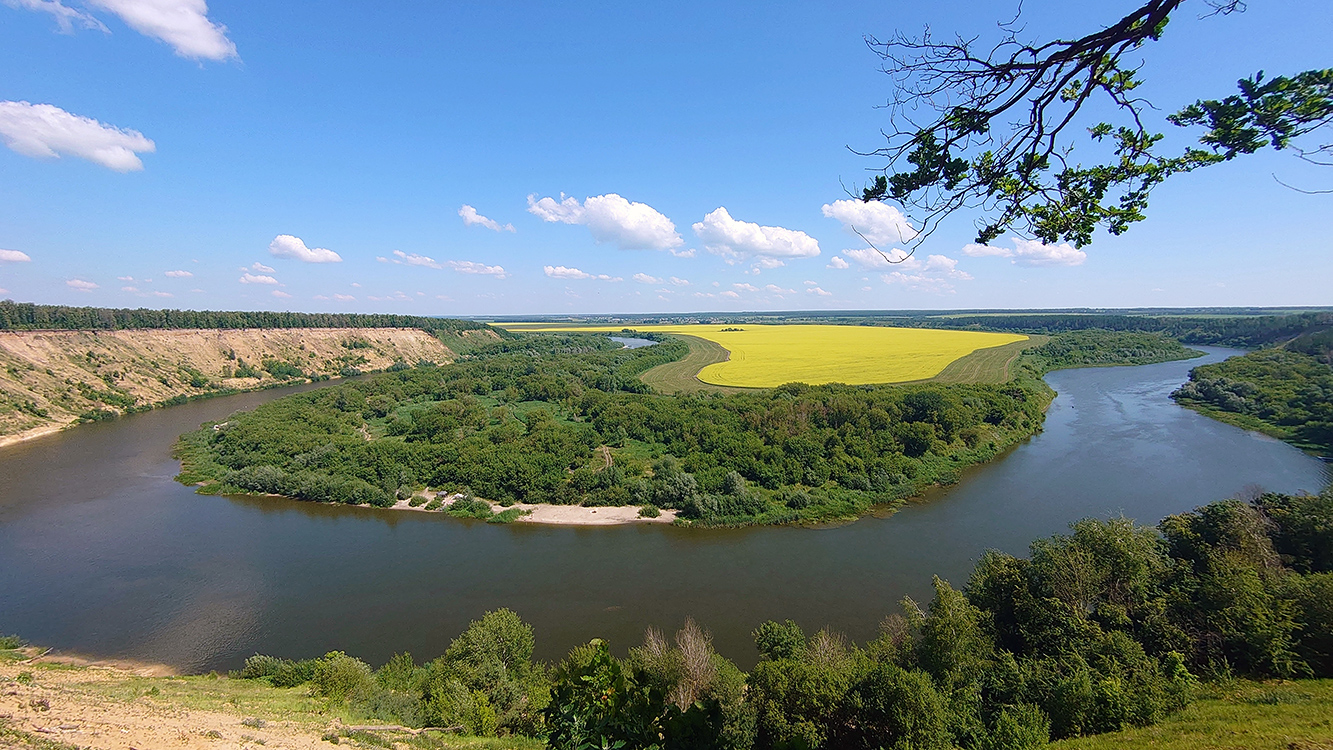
(1003, 114)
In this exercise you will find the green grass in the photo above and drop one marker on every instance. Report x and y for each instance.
(993, 365)
(679, 376)
(1242, 715)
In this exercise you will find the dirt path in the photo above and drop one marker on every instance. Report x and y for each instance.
(48, 706)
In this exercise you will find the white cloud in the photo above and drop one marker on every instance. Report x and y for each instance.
(838, 263)
(412, 259)
(1031, 253)
(178, 274)
(470, 217)
(678, 281)
(766, 262)
(124, 278)
(163, 294)
(81, 285)
(611, 218)
(260, 267)
(817, 291)
(468, 266)
(183, 24)
(893, 257)
(344, 297)
(561, 272)
(287, 246)
(808, 282)
(730, 294)
(280, 293)
(936, 274)
(684, 253)
(775, 289)
(746, 287)
(13, 256)
(879, 223)
(65, 16)
(725, 236)
(134, 289)
(250, 278)
(644, 278)
(45, 131)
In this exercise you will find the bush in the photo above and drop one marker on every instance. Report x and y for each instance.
(338, 677)
(8, 642)
(649, 511)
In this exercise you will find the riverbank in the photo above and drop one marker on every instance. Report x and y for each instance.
(554, 515)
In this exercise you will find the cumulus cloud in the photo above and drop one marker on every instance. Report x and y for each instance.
(344, 297)
(838, 263)
(725, 236)
(561, 272)
(183, 24)
(746, 287)
(1031, 253)
(678, 281)
(818, 292)
(611, 218)
(287, 246)
(470, 217)
(730, 294)
(766, 262)
(936, 274)
(280, 293)
(80, 285)
(644, 278)
(45, 131)
(13, 256)
(893, 257)
(178, 274)
(468, 266)
(259, 267)
(775, 289)
(877, 222)
(251, 278)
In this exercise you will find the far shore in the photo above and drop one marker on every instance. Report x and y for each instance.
(555, 515)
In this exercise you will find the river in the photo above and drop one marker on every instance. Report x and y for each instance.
(101, 553)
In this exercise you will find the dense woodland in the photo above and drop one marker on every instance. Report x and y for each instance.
(522, 421)
(1287, 392)
(1108, 627)
(17, 316)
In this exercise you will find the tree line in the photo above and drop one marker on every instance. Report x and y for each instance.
(1108, 627)
(25, 316)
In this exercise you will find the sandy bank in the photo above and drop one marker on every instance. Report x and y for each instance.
(559, 515)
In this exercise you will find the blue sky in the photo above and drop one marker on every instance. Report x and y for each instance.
(616, 157)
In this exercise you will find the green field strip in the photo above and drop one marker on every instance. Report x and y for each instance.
(991, 365)
(681, 376)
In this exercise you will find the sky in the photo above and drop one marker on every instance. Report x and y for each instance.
(515, 158)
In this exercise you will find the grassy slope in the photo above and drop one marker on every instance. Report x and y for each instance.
(993, 365)
(116, 707)
(679, 376)
(1295, 715)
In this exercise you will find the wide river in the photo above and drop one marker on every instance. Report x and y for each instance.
(101, 553)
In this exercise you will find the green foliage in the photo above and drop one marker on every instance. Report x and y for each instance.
(10, 642)
(16, 316)
(282, 370)
(1284, 393)
(340, 677)
(779, 640)
(1100, 347)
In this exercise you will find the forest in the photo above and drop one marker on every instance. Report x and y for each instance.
(25, 316)
(1285, 392)
(521, 421)
(1113, 625)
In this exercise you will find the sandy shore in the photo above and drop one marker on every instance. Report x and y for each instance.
(560, 515)
(35, 432)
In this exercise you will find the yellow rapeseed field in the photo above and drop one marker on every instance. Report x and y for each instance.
(763, 356)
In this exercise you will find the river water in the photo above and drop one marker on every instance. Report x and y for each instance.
(101, 553)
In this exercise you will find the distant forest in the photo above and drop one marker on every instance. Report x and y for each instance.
(25, 316)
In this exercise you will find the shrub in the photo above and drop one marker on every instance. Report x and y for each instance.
(649, 511)
(8, 642)
(338, 677)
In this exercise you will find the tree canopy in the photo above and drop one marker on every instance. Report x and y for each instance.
(1002, 121)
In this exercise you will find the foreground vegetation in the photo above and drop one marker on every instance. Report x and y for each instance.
(1286, 392)
(1149, 632)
